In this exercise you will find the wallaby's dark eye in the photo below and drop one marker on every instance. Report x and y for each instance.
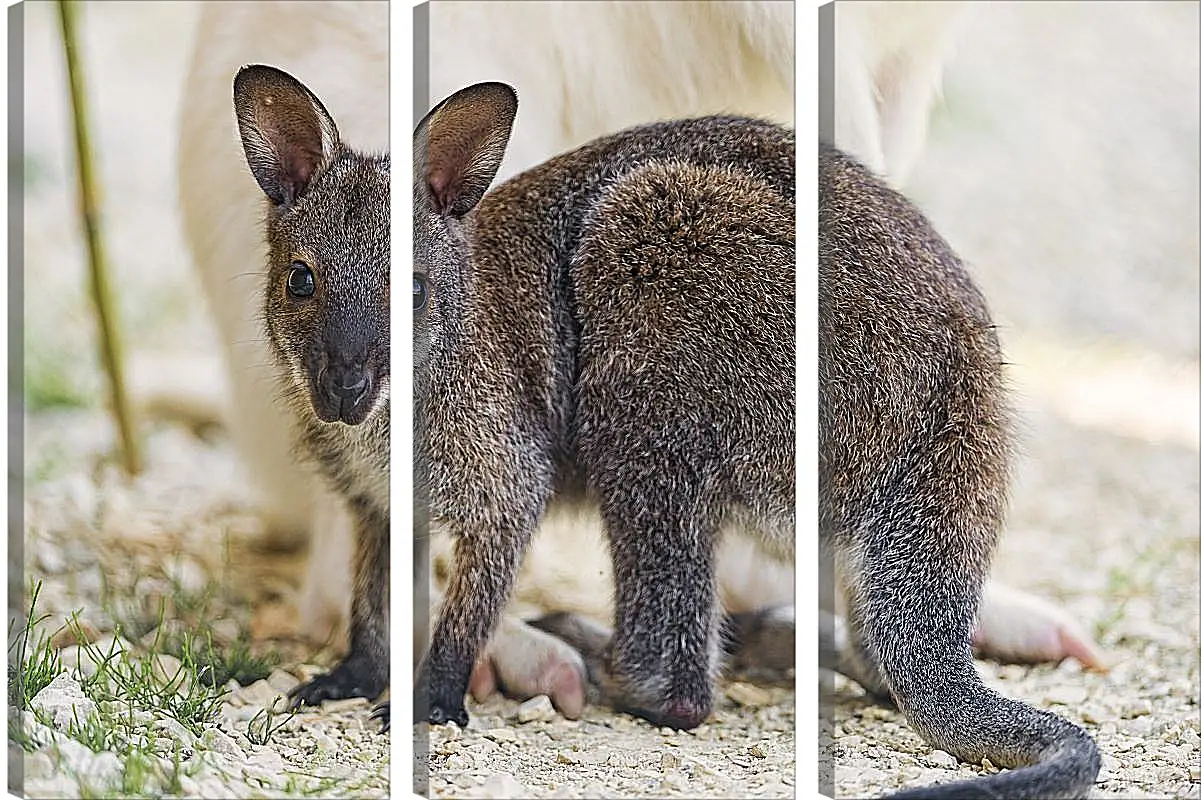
(300, 280)
(420, 292)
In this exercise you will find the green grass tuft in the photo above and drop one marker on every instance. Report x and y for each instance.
(30, 669)
(260, 728)
(236, 662)
(122, 676)
(1133, 579)
(94, 732)
(190, 635)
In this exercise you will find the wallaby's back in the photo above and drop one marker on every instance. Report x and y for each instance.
(668, 247)
(567, 250)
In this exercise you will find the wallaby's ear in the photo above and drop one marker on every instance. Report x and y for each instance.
(286, 133)
(460, 144)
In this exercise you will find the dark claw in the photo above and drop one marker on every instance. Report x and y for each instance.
(351, 678)
(440, 715)
(383, 713)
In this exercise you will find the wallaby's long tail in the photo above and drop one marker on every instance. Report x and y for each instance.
(1051, 757)
(914, 615)
(928, 534)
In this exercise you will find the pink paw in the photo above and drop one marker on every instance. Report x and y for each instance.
(1019, 628)
(522, 662)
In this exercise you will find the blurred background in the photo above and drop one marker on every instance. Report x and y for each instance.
(1063, 166)
(1062, 163)
(83, 515)
(134, 55)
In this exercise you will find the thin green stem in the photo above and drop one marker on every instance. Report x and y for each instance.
(89, 212)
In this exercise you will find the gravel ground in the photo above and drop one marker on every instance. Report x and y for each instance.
(1063, 167)
(746, 749)
(108, 551)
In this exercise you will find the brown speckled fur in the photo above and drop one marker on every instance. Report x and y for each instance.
(614, 326)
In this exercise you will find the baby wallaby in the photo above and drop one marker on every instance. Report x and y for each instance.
(616, 326)
(913, 460)
(325, 307)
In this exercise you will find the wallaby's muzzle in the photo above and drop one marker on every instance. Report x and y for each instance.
(343, 393)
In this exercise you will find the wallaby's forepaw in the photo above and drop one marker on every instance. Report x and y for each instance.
(354, 677)
(383, 712)
(442, 712)
(437, 698)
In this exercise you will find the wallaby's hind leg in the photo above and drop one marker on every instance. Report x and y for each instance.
(1014, 627)
(663, 657)
(763, 640)
(852, 657)
(364, 671)
(846, 654)
(674, 258)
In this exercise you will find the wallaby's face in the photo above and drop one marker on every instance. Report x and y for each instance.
(457, 149)
(326, 298)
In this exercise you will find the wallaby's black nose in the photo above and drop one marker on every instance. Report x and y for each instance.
(353, 391)
(346, 386)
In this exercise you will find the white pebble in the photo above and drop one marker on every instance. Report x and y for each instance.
(1067, 695)
(64, 701)
(282, 681)
(219, 742)
(941, 758)
(536, 708)
(501, 734)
